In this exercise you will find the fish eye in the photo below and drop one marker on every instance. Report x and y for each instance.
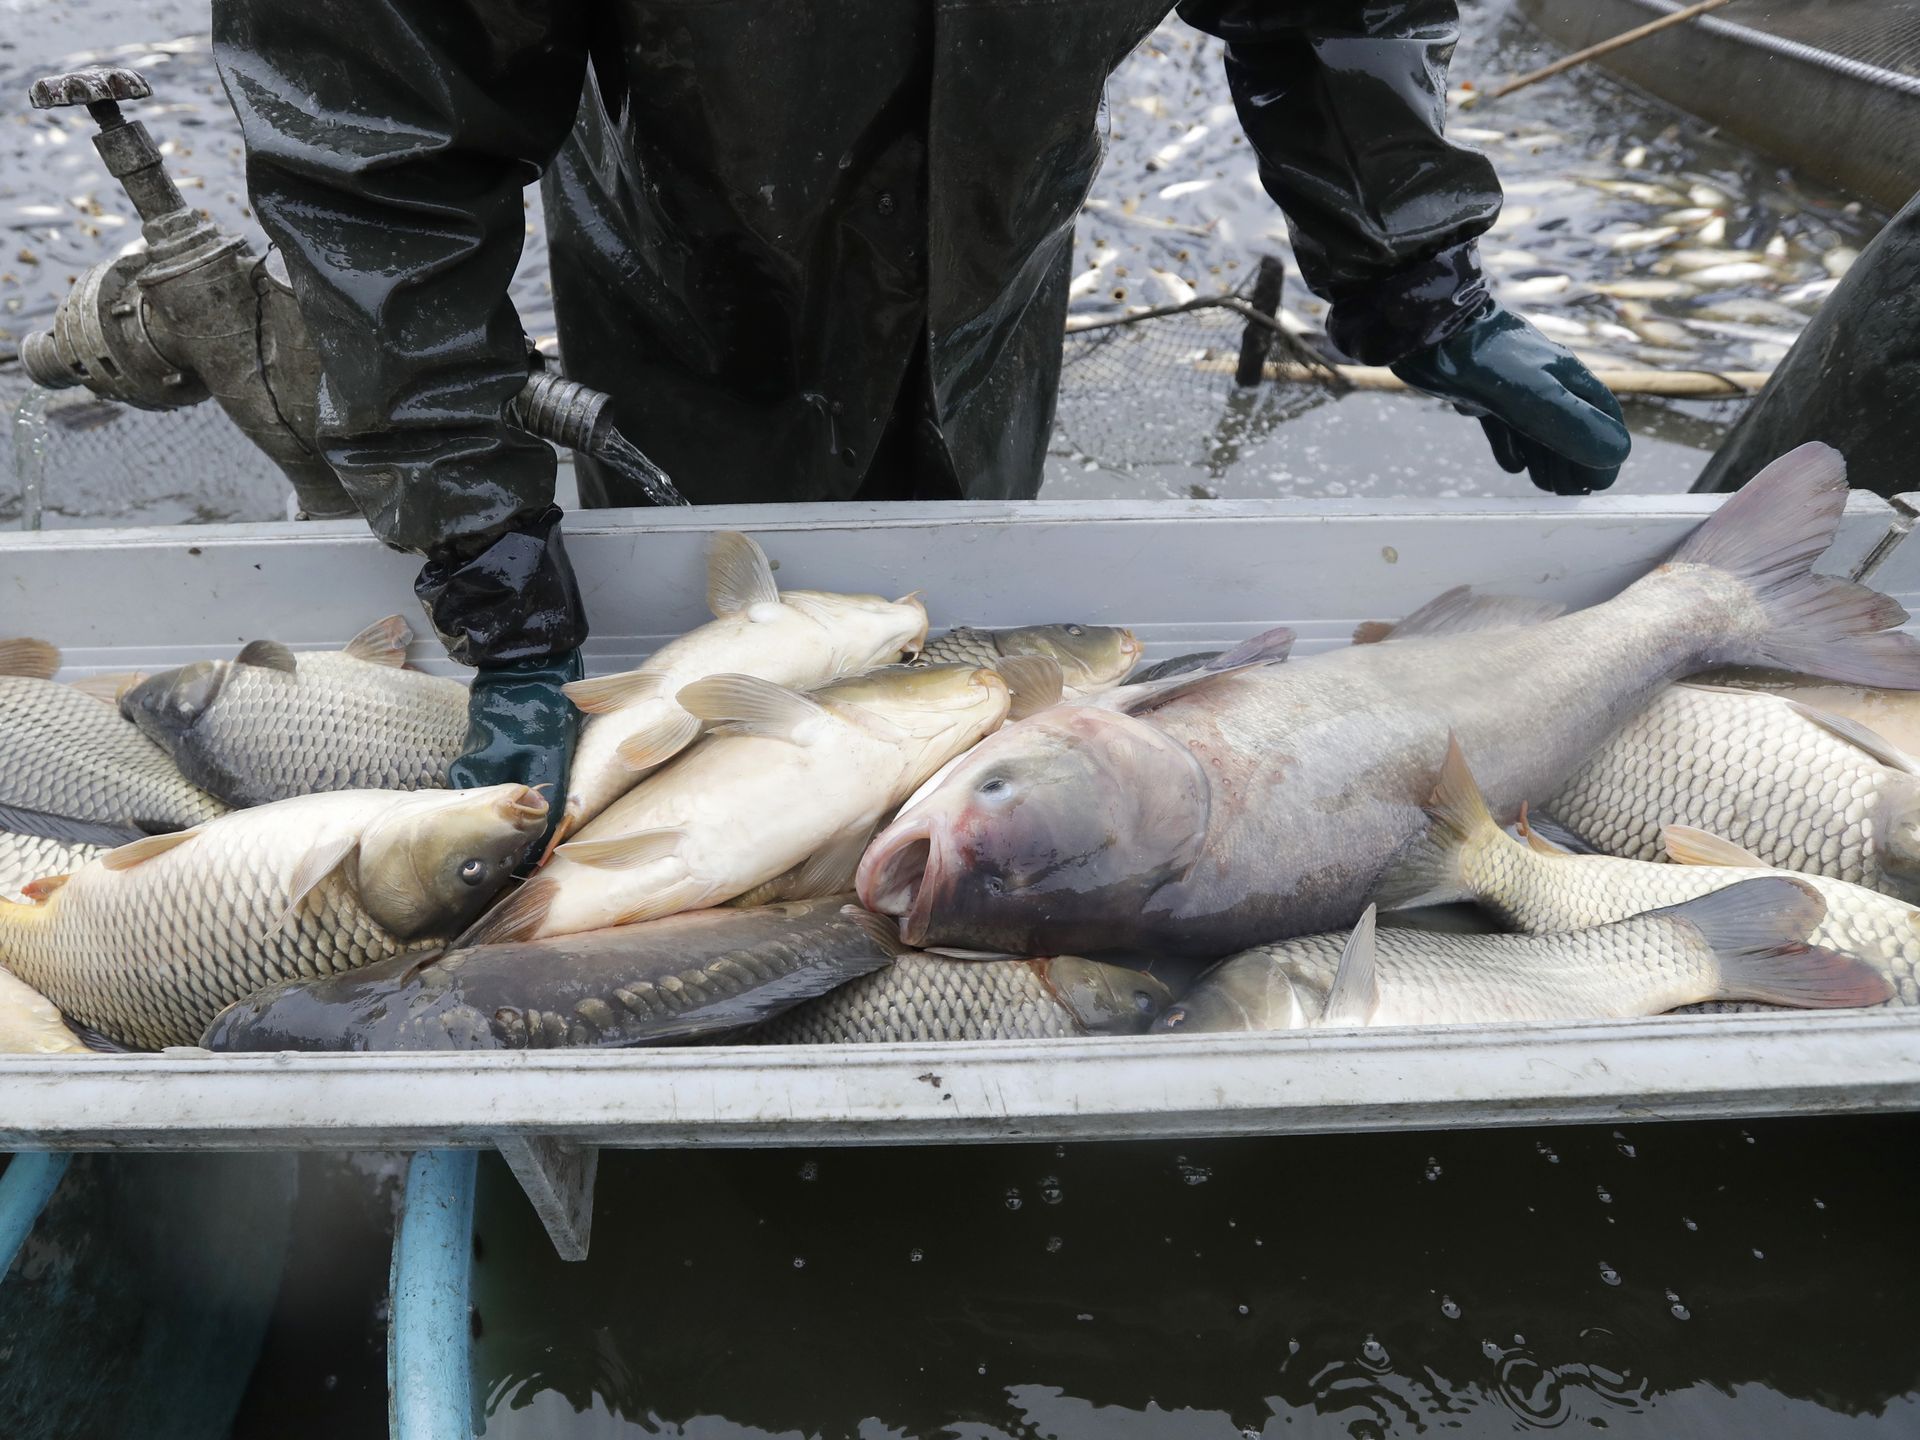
(995, 786)
(1076, 630)
(472, 872)
(1143, 1002)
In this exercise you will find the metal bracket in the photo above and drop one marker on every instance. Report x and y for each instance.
(558, 1178)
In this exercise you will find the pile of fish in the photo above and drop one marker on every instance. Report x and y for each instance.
(806, 822)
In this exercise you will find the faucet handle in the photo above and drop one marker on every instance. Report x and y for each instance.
(101, 90)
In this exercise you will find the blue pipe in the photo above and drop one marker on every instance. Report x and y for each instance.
(429, 1370)
(24, 1192)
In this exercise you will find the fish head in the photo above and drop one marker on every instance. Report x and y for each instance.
(933, 711)
(1900, 836)
(167, 705)
(867, 630)
(1052, 835)
(1245, 992)
(1105, 999)
(1091, 657)
(432, 861)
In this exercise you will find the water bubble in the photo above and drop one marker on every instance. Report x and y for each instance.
(1624, 1145)
(983, 1370)
(1819, 1204)
(916, 1255)
(1448, 1308)
(1191, 1173)
(1547, 1150)
(1519, 1339)
(1050, 1190)
(1013, 1200)
(1245, 1310)
(1054, 1242)
(1680, 1312)
(1293, 1347)
(1609, 1274)
(799, 1262)
(1747, 1135)
(1688, 1223)
(1433, 1168)
(1375, 1352)
(1491, 1350)
(1759, 1254)
(1605, 1196)
(1083, 1317)
(1059, 1152)
(810, 1170)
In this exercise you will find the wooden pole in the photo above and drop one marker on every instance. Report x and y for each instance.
(1672, 384)
(1605, 47)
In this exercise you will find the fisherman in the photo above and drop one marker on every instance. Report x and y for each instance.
(814, 250)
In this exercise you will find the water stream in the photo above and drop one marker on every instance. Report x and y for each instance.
(30, 454)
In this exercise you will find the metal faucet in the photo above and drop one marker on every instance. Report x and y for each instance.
(196, 314)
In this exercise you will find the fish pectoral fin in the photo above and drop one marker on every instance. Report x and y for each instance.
(383, 643)
(747, 705)
(313, 867)
(1355, 993)
(38, 890)
(829, 870)
(654, 744)
(739, 576)
(1034, 681)
(1859, 736)
(625, 852)
(125, 857)
(688, 894)
(1687, 846)
(267, 655)
(29, 659)
(613, 692)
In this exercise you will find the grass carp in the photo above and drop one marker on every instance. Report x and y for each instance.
(1802, 789)
(271, 724)
(1894, 715)
(69, 754)
(928, 997)
(148, 942)
(1241, 807)
(800, 639)
(34, 846)
(688, 975)
(787, 780)
(1746, 942)
(1540, 889)
(1092, 658)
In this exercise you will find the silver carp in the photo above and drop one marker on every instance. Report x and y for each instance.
(1537, 888)
(1242, 807)
(271, 724)
(69, 754)
(1746, 942)
(1801, 789)
(1092, 658)
(147, 943)
(929, 997)
(690, 975)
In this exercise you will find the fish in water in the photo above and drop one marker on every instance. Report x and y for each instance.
(1092, 658)
(271, 724)
(1539, 889)
(929, 997)
(30, 1024)
(1242, 807)
(796, 638)
(34, 846)
(787, 780)
(698, 973)
(68, 754)
(1746, 942)
(147, 943)
(1802, 789)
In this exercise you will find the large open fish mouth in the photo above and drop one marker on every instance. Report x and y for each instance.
(894, 876)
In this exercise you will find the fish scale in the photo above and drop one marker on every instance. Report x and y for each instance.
(24, 858)
(921, 997)
(1746, 767)
(69, 754)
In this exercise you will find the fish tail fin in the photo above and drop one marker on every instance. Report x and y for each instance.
(1768, 535)
(1431, 869)
(30, 659)
(1758, 932)
(518, 917)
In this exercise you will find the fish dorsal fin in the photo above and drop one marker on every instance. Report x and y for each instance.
(748, 705)
(739, 575)
(604, 693)
(1460, 611)
(66, 831)
(38, 890)
(1355, 993)
(1269, 647)
(309, 871)
(1033, 680)
(267, 655)
(138, 852)
(1688, 846)
(1163, 693)
(625, 852)
(29, 659)
(383, 643)
(1859, 736)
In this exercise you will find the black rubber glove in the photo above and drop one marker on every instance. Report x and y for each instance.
(510, 608)
(1543, 411)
